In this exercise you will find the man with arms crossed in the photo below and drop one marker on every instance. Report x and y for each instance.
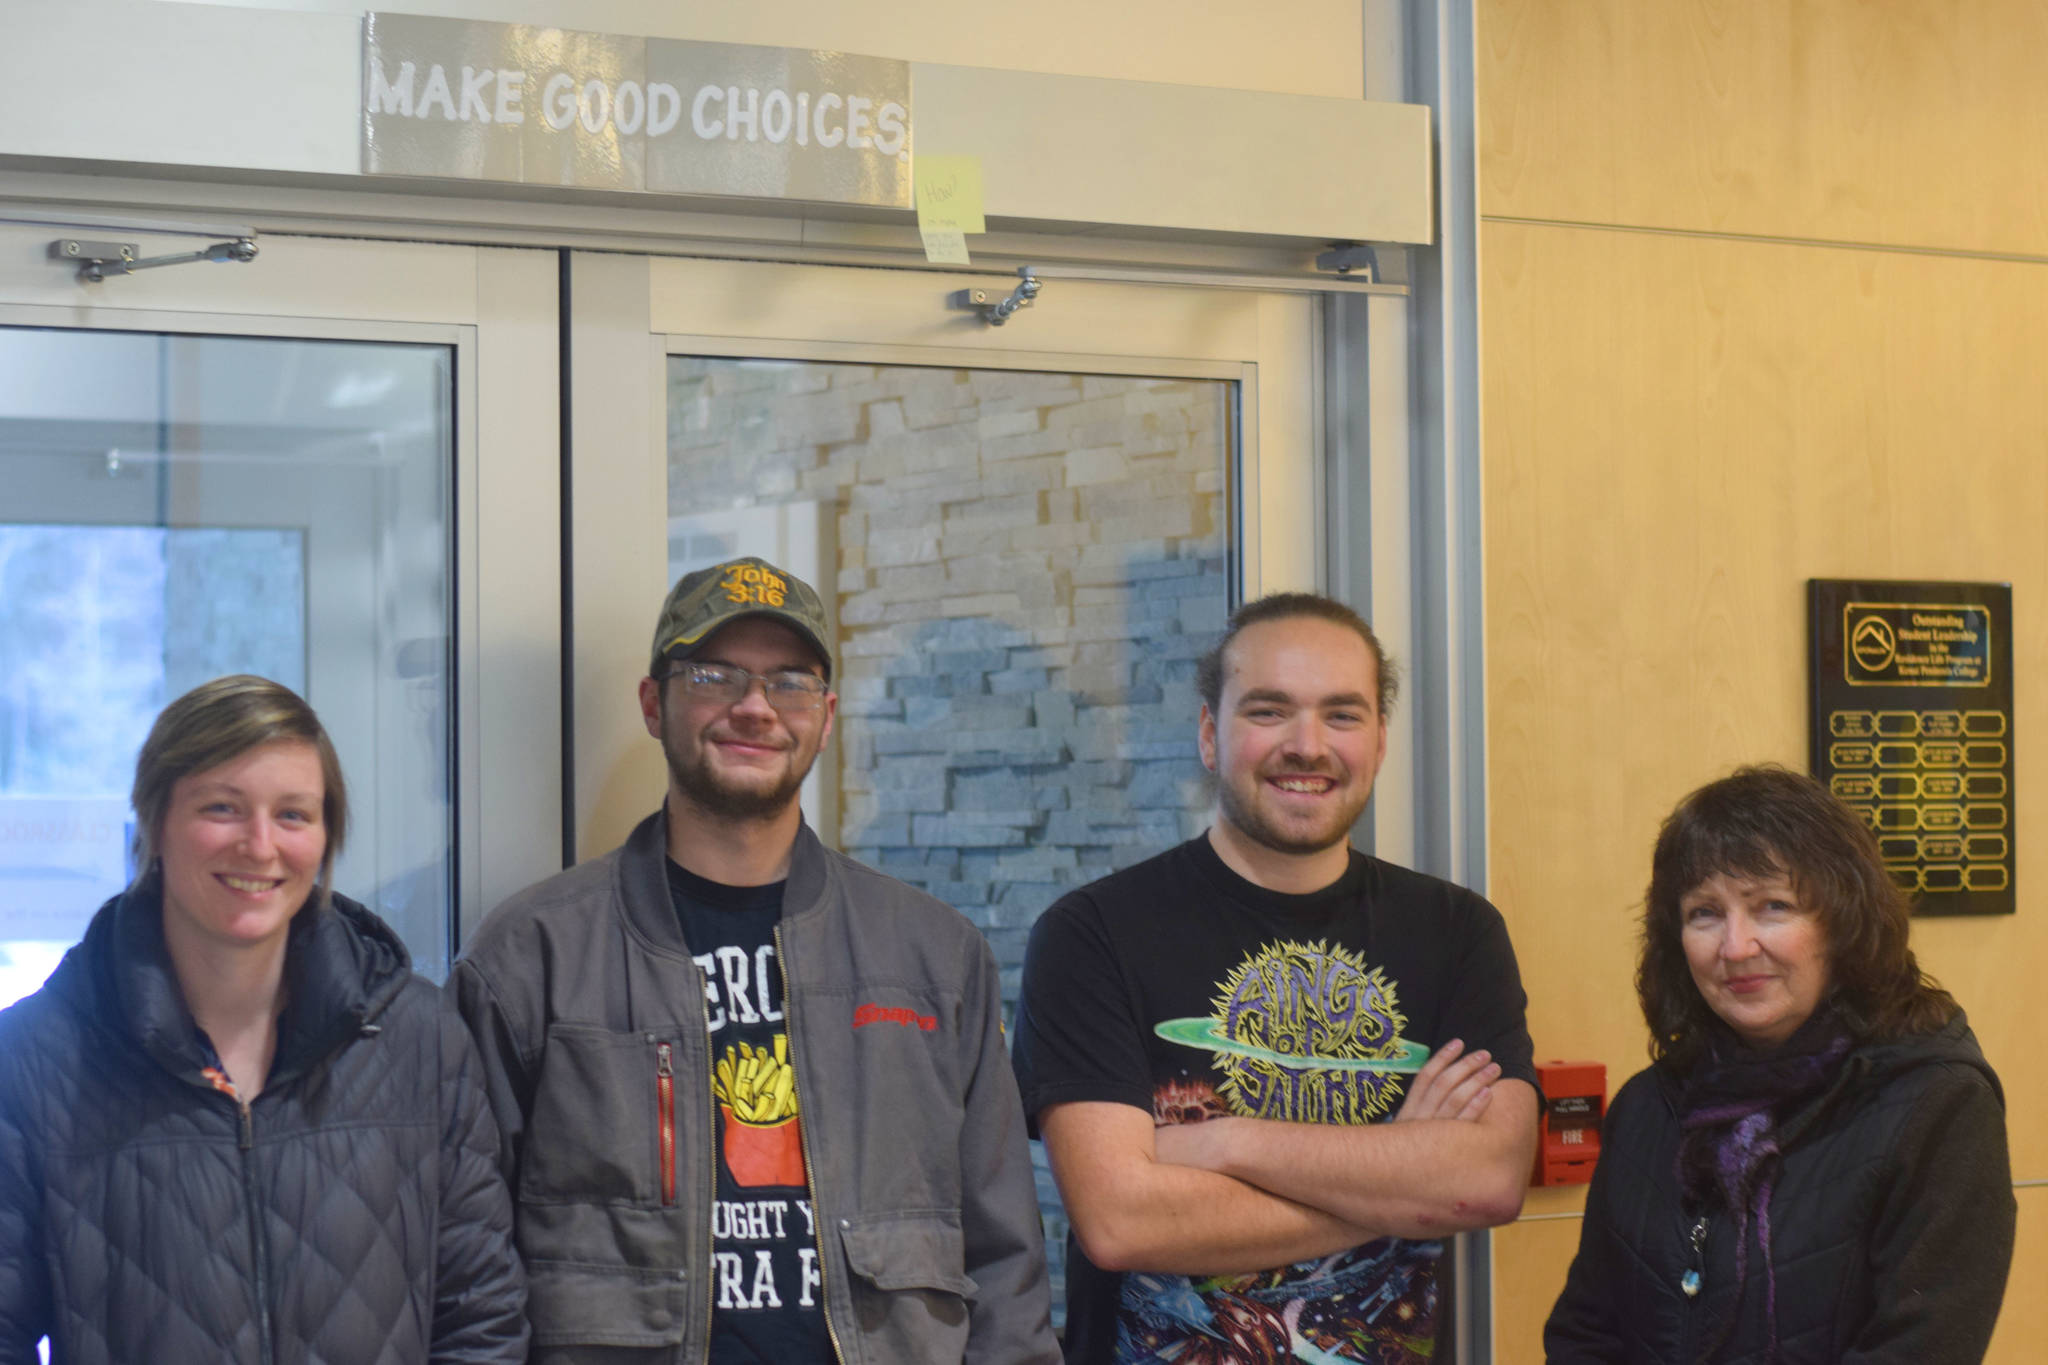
(1271, 1073)
(753, 1095)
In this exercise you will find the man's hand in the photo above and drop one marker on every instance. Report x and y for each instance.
(1451, 1085)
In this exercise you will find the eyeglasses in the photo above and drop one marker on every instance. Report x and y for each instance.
(727, 684)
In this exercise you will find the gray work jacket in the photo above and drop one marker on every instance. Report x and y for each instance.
(578, 989)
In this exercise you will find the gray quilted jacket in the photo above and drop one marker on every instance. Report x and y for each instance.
(353, 1216)
(927, 1221)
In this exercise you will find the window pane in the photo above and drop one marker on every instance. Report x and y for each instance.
(182, 507)
(1025, 568)
(75, 711)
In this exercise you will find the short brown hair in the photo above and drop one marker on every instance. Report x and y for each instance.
(1763, 821)
(1286, 606)
(222, 720)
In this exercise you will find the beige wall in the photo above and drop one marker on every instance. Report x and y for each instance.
(1292, 47)
(1684, 424)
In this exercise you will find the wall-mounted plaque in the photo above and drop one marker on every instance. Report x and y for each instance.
(475, 100)
(1912, 727)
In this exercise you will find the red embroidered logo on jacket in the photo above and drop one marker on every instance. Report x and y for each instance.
(882, 1014)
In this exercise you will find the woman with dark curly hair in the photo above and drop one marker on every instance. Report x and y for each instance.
(1814, 1167)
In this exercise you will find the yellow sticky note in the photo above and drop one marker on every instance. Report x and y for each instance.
(948, 193)
(945, 246)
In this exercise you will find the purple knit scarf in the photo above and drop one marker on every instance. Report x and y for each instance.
(1730, 1154)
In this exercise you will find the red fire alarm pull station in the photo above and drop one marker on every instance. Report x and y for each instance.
(1574, 1102)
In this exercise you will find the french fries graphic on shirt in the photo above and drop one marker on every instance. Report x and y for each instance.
(759, 1086)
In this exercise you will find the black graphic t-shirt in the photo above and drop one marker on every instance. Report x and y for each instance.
(1183, 989)
(767, 1304)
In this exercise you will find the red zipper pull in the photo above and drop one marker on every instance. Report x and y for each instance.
(665, 1115)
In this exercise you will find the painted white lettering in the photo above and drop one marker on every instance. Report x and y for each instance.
(764, 1281)
(764, 968)
(628, 107)
(435, 92)
(731, 1294)
(699, 124)
(511, 85)
(828, 136)
(812, 1279)
(810, 1217)
(737, 113)
(558, 101)
(474, 109)
(857, 123)
(708, 965)
(594, 106)
(803, 118)
(776, 1208)
(664, 107)
(890, 128)
(732, 964)
(775, 115)
(386, 97)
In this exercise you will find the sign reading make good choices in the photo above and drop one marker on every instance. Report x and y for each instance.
(454, 98)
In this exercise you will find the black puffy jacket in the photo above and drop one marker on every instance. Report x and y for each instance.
(1891, 1225)
(354, 1216)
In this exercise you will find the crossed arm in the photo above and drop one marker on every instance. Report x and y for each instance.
(1235, 1195)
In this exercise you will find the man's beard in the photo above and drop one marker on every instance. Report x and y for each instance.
(704, 789)
(1249, 820)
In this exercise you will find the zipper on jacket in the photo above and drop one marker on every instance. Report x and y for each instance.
(708, 1259)
(665, 1115)
(257, 1243)
(804, 1134)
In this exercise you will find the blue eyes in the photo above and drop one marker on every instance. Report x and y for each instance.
(227, 809)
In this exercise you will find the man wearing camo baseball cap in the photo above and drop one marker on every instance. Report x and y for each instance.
(725, 1025)
(703, 601)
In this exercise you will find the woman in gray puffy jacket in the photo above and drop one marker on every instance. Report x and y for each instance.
(234, 1126)
(1814, 1171)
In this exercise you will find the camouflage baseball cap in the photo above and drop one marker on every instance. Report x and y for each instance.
(703, 601)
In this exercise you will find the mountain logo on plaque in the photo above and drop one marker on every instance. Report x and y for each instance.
(1872, 643)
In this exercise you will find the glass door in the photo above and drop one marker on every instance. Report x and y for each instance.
(192, 489)
(1027, 536)
(1100, 478)
(180, 507)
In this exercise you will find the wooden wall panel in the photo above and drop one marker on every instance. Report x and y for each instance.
(1679, 432)
(1919, 122)
(1529, 1261)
